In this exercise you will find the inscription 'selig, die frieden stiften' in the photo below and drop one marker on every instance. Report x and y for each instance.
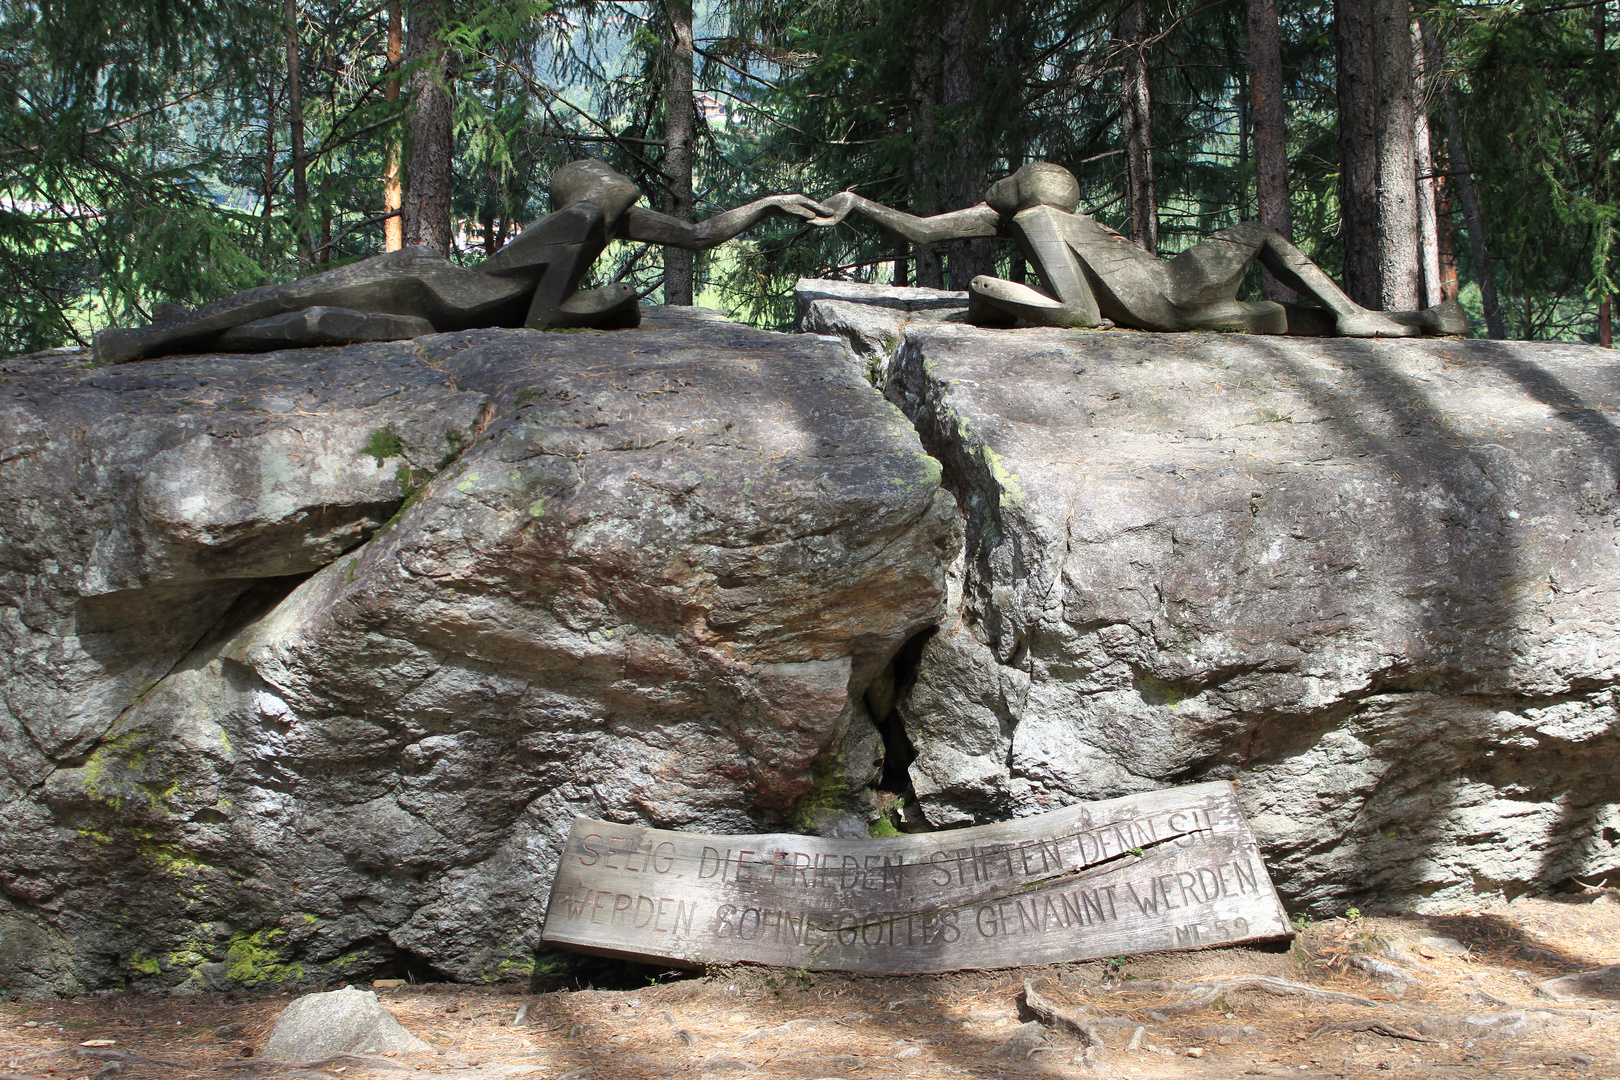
(1162, 870)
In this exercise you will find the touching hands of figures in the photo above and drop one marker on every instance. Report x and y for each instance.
(799, 206)
(837, 208)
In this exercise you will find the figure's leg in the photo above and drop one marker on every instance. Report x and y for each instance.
(1094, 269)
(405, 282)
(1290, 266)
(1041, 235)
(320, 326)
(1210, 272)
(612, 307)
(1445, 319)
(561, 248)
(1206, 278)
(1204, 283)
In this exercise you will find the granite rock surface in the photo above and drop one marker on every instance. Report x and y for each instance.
(1377, 583)
(310, 658)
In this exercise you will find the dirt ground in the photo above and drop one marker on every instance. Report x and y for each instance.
(1457, 997)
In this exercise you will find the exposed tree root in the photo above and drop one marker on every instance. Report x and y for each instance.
(1052, 1016)
(1203, 993)
(266, 1065)
(1376, 1027)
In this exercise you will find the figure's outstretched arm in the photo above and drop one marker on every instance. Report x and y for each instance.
(651, 227)
(975, 221)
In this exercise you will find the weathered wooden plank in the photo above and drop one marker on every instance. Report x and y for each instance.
(1160, 870)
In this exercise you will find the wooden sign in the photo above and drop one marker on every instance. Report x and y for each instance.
(1172, 869)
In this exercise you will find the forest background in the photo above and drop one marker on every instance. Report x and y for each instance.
(160, 152)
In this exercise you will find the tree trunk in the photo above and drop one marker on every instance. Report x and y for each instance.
(393, 226)
(323, 254)
(1135, 106)
(1446, 231)
(1358, 149)
(902, 261)
(295, 132)
(1600, 37)
(1428, 214)
(427, 174)
(1267, 106)
(1445, 226)
(1473, 223)
(269, 169)
(925, 180)
(962, 69)
(1458, 165)
(680, 131)
(1397, 158)
(491, 209)
(1377, 180)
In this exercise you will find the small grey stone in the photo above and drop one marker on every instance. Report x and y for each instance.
(345, 1021)
(1382, 969)
(1024, 1038)
(1603, 982)
(724, 1062)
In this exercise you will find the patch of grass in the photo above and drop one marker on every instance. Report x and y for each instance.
(384, 444)
(455, 442)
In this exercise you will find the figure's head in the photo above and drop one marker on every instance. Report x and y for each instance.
(1040, 183)
(591, 181)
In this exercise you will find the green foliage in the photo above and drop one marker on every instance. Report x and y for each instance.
(1542, 115)
(107, 165)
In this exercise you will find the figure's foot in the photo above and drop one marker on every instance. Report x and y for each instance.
(1025, 303)
(1373, 324)
(982, 312)
(119, 345)
(1445, 319)
(612, 307)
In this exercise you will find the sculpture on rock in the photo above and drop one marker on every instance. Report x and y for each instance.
(1093, 273)
(532, 281)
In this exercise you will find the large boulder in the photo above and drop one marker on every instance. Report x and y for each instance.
(1377, 583)
(310, 658)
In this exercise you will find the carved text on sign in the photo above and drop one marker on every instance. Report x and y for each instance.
(1161, 870)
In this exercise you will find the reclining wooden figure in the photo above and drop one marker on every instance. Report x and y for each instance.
(1093, 273)
(532, 281)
